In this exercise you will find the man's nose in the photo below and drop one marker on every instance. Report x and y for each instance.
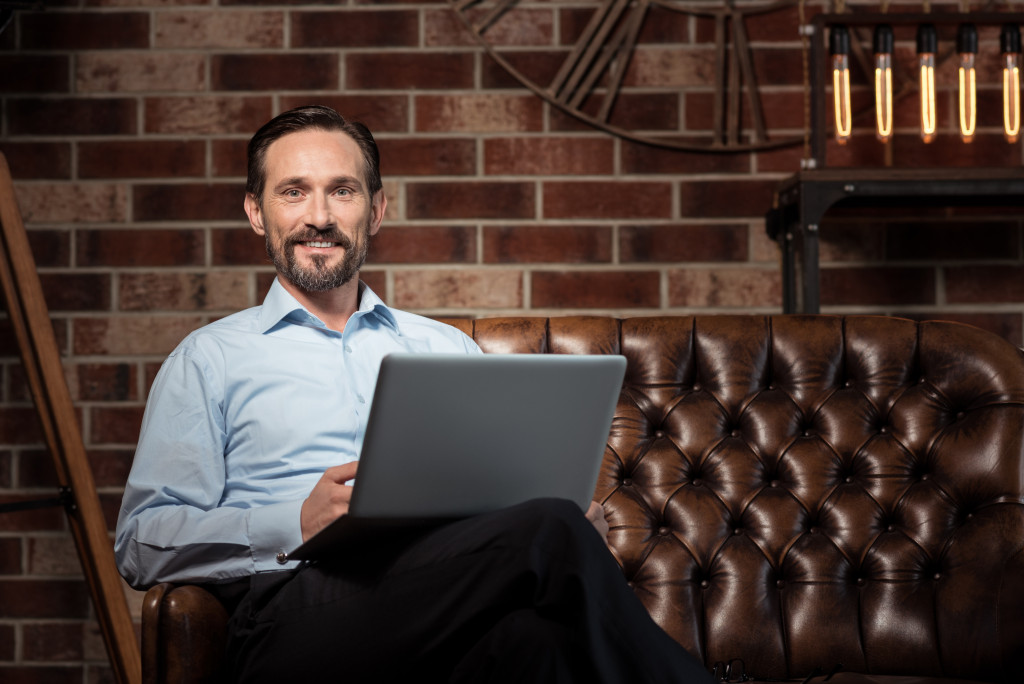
(320, 215)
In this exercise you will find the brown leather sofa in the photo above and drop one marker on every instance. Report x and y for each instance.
(805, 498)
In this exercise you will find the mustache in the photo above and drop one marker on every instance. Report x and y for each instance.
(325, 236)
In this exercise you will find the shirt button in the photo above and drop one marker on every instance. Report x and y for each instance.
(361, 399)
(348, 348)
(281, 558)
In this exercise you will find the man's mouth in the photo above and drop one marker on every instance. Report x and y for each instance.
(319, 243)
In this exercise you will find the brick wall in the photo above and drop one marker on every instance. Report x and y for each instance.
(125, 121)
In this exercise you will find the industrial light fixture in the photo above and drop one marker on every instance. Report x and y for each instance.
(839, 49)
(927, 46)
(967, 47)
(883, 43)
(1009, 44)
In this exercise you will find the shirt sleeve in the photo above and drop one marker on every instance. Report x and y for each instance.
(171, 526)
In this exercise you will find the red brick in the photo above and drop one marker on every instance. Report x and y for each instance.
(189, 202)
(238, 247)
(210, 291)
(671, 67)
(34, 520)
(22, 73)
(63, 116)
(157, 335)
(76, 291)
(137, 72)
(136, 247)
(428, 156)
(373, 28)
(664, 25)
(479, 113)
(990, 283)
(654, 112)
(412, 71)
(279, 71)
(646, 159)
(10, 564)
(53, 556)
(110, 467)
(519, 27)
(71, 203)
(779, 110)
(607, 199)
(549, 155)
(674, 243)
(229, 158)
(38, 160)
(115, 424)
(22, 598)
(458, 289)
(547, 244)
(484, 199)
(141, 159)
(877, 286)
(444, 28)
(725, 287)
(50, 248)
(36, 467)
(727, 198)
(84, 30)
(382, 113)
(103, 382)
(54, 642)
(206, 114)
(6, 476)
(219, 29)
(595, 289)
(424, 245)
(537, 66)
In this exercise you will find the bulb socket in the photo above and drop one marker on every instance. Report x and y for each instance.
(1009, 38)
(927, 39)
(882, 40)
(967, 39)
(839, 40)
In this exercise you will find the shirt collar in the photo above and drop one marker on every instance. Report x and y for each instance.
(281, 307)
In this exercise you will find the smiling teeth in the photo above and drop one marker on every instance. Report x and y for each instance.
(320, 244)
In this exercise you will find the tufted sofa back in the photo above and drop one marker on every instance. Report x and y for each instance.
(811, 492)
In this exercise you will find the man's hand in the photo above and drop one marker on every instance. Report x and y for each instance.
(595, 514)
(328, 501)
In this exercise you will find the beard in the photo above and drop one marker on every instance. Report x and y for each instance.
(319, 277)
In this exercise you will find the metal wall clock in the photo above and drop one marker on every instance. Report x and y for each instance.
(584, 70)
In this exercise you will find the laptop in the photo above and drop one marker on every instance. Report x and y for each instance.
(452, 435)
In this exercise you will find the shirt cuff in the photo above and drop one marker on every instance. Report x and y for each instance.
(274, 531)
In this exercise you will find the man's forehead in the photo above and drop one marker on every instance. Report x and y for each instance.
(310, 146)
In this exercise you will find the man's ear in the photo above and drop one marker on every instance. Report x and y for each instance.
(379, 206)
(255, 214)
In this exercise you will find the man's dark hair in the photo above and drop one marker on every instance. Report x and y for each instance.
(310, 117)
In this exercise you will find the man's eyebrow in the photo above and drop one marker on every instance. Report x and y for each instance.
(303, 181)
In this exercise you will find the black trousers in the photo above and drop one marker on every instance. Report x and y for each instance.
(528, 594)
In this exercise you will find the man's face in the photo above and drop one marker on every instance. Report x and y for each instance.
(316, 212)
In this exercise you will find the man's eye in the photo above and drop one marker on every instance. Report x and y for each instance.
(344, 192)
(292, 193)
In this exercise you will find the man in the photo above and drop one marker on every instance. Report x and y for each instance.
(252, 434)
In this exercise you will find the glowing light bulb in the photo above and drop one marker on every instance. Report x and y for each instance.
(1009, 42)
(883, 43)
(927, 45)
(967, 46)
(839, 49)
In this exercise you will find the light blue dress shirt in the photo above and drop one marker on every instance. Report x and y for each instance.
(242, 420)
